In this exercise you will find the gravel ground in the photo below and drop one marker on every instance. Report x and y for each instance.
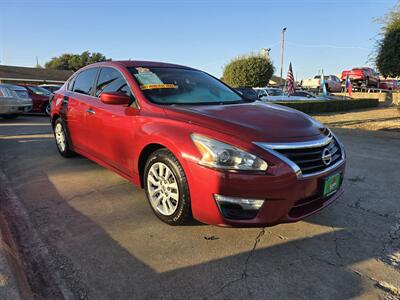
(380, 119)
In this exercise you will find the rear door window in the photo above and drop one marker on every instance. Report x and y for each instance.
(84, 81)
(111, 80)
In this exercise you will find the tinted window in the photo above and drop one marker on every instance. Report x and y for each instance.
(84, 81)
(111, 80)
(70, 85)
(248, 93)
(39, 91)
(275, 92)
(21, 92)
(4, 92)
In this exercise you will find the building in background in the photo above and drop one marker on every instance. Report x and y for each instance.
(25, 75)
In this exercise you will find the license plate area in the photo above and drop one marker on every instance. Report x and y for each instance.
(331, 184)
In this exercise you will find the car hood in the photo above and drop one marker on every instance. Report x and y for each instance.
(255, 121)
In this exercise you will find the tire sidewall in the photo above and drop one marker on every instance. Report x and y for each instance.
(67, 151)
(45, 109)
(166, 157)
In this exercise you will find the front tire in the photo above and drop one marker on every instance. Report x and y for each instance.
(62, 139)
(167, 189)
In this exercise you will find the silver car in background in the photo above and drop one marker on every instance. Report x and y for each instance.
(14, 100)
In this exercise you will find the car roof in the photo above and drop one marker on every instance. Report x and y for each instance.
(13, 86)
(140, 63)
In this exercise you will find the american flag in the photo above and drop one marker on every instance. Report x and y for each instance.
(290, 81)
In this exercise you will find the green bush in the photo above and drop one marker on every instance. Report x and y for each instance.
(248, 71)
(311, 107)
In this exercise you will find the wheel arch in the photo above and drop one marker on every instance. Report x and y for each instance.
(144, 156)
(54, 119)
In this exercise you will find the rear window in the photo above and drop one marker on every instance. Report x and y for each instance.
(275, 92)
(21, 93)
(39, 91)
(84, 81)
(4, 92)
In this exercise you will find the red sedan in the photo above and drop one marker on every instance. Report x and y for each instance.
(197, 147)
(40, 98)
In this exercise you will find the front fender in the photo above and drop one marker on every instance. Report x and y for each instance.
(171, 134)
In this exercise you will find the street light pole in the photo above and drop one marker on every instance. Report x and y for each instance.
(282, 52)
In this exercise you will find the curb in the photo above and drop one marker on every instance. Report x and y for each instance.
(9, 250)
(33, 262)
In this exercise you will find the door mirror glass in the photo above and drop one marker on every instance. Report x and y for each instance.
(115, 98)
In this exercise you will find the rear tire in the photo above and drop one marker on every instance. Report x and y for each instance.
(62, 138)
(167, 189)
(47, 109)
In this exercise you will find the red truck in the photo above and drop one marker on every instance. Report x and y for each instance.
(362, 77)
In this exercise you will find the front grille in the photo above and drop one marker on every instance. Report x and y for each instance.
(309, 159)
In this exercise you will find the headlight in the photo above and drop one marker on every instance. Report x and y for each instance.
(219, 155)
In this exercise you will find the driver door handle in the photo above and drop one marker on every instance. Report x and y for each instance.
(91, 111)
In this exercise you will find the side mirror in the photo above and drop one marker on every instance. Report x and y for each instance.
(115, 98)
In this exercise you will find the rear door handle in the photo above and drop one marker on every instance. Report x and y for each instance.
(91, 111)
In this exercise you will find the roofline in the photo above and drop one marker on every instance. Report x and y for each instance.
(34, 80)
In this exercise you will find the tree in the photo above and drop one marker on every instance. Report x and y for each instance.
(74, 62)
(248, 71)
(388, 55)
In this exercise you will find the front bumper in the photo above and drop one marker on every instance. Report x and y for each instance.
(287, 198)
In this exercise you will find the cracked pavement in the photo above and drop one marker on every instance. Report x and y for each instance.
(86, 233)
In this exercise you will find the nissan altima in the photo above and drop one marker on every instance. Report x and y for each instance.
(197, 147)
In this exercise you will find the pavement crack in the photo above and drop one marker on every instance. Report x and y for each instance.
(244, 275)
(357, 205)
(335, 239)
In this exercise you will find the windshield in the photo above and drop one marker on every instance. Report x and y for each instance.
(182, 86)
(275, 92)
(40, 91)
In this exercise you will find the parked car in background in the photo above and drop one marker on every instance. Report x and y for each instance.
(332, 83)
(359, 77)
(51, 87)
(389, 84)
(14, 100)
(248, 92)
(276, 94)
(269, 94)
(196, 146)
(40, 98)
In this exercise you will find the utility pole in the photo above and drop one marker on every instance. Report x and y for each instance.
(282, 53)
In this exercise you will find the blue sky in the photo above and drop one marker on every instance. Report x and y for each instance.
(333, 35)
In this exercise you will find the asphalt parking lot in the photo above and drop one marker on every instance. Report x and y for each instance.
(85, 232)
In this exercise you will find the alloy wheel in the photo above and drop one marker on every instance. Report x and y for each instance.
(60, 137)
(163, 189)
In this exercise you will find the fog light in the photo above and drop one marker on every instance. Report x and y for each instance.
(238, 208)
(244, 203)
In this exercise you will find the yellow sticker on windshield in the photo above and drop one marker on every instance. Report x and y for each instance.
(158, 86)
